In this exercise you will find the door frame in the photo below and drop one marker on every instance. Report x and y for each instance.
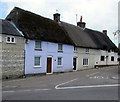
(51, 65)
(76, 63)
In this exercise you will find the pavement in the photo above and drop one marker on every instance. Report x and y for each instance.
(94, 84)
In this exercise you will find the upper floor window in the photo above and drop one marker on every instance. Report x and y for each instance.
(75, 48)
(112, 58)
(10, 39)
(38, 45)
(87, 50)
(60, 47)
(102, 58)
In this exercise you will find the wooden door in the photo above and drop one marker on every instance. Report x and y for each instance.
(49, 65)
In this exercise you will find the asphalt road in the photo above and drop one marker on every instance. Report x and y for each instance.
(94, 84)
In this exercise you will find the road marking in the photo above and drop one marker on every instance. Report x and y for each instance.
(92, 74)
(28, 90)
(92, 86)
(65, 83)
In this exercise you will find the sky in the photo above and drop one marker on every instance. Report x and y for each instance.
(98, 14)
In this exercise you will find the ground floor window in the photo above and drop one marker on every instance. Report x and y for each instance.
(112, 58)
(85, 61)
(59, 62)
(102, 58)
(37, 61)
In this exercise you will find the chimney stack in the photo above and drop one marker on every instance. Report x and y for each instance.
(81, 24)
(105, 32)
(56, 17)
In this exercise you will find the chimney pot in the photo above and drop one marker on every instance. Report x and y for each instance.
(56, 17)
(105, 32)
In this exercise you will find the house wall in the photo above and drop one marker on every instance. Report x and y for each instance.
(94, 57)
(48, 49)
(12, 57)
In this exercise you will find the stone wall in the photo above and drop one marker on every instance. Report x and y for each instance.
(12, 57)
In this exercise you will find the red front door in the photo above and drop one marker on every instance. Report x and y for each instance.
(49, 65)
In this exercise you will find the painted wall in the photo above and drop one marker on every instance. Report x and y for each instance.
(48, 49)
(94, 57)
(12, 57)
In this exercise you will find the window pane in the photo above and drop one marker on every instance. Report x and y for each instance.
(59, 61)
(38, 44)
(13, 39)
(8, 39)
(59, 47)
(102, 58)
(37, 61)
(112, 58)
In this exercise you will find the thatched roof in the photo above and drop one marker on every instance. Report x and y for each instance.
(8, 28)
(37, 27)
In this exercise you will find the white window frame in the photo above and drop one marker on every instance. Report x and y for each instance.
(37, 66)
(12, 42)
(87, 64)
(40, 45)
(60, 50)
(61, 61)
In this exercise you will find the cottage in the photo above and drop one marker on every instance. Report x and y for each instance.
(11, 50)
(56, 46)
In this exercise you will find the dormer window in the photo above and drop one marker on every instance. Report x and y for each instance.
(38, 45)
(60, 48)
(10, 39)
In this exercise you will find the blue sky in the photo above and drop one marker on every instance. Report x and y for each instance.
(98, 14)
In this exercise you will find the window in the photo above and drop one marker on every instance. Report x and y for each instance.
(37, 61)
(102, 58)
(59, 61)
(112, 58)
(37, 45)
(10, 39)
(85, 61)
(75, 48)
(60, 48)
(86, 50)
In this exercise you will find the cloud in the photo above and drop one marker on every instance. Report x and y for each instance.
(98, 14)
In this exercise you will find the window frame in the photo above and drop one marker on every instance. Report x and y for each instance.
(61, 47)
(60, 62)
(101, 59)
(10, 40)
(40, 48)
(87, 50)
(86, 64)
(113, 58)
(39, 61)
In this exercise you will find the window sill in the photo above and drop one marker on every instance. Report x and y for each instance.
(85, 65)
(60, 51)
(59, 65)
(37, 66)
(38, 49)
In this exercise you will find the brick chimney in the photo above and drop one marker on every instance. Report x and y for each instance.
(56, 17)
(104, 32)
(81, 24)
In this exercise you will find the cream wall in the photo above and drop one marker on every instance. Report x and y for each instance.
(94, 57)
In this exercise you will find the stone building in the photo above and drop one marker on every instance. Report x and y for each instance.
(11, 50)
